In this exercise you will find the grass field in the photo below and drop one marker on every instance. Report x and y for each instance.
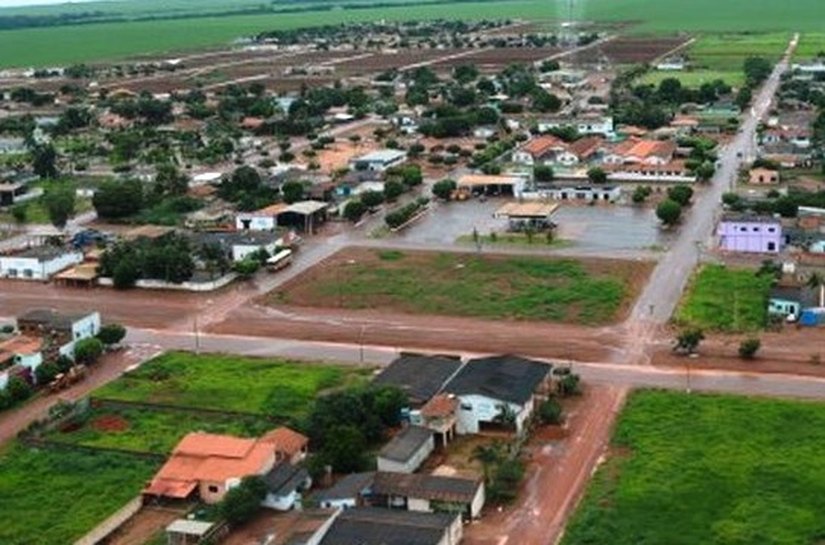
(277, 388)
(517, 287)
(50, 497)
(810, 45)
(711, 470)
(722, 299)
(695, 78)
(68, 44)
(727, 52)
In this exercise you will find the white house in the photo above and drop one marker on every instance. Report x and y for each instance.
(379, 160)
(347, 492)
(265, 219)
(19, 351)
(492, 389)
(424, 493)
(38, 263)
(67, 329)
(285, 483)
(602, 125)
(407, 451)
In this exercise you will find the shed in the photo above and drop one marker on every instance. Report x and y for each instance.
(528, 215)
(187, 532)
(407, 451)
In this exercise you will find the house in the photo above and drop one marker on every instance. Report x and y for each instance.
(406, 451)
(284, 484)
(595, 124)
(38, 262)
(59, 331)
(379, 161)
(675, 171)
(749, 234)
(12, 193)
(265, 219)
(763, 176)
(10, 145)
(489, 388)
(347, 493)
(19, 353)
(289, 445)
(419, 377)
(212, 464)
(239, 245)
(671, 64)
(789, 301)
(540, 150)
(521, 216)
(649, 152)
(488, 184)
(303, 215)
(440, 415)
(427, 493)
(586, 193)
(376, 526)
(188, 532)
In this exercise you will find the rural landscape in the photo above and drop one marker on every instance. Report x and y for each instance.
(412, 272)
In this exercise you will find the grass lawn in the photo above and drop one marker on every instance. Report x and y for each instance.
(274, 387)
(487, 286)
(695, 78)
(153, 430)
(810, 45)
(710, 470)
(722, 299)
(727, 52)
(54, 497)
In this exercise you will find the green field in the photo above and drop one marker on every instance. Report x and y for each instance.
(68, 44)
(272, 387)
(54, 496)
(710, 470)
(498, 287)
(727, 52)
(722, 299)
(695, 78)
(810, 45)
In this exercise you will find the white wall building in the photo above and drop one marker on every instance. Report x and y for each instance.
(379, 160)
(38, 263)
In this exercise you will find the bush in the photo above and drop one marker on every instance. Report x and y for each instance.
(393, 190)
(354, 210)
(88, 351)
(444, 189)
(242, 502)
(550, 412)
(372, 199)
(46, 372)
(111, 334)
(247, 267)
(749, 347)
(681, 194)
(669, 212)
(18, 390)
(641, 193)
(399, 217)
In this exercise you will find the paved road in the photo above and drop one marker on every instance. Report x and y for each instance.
(658, 301)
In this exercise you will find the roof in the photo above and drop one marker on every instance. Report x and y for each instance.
(306, 208)
(285, 478)
(803, 294)
(384, 155)
(51, 318)
(350, 486)
(486, 179)
(271, 210)
(148, 231)
(42, 253)
(286, 440)
(506, 378)
(440, 406)
(429, 487)
(22, 345)
(420, 377)
(652, 148)
(763, 170)
(406, 444)
(585, 147)
(189, 527)
(530, 209)
(542, 144)
(734, 217)
(376, 526)
(85, 271)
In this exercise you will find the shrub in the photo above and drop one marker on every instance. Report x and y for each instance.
(354, 210)
(444, 189)
(402, 215)
(111, 334)
(18, 390)
(749, 347)
(88, 351)
(46, 372)
(242, 502)
(550, 412)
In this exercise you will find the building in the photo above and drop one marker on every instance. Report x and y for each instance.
(60, 331)
(188, 532)
(671, 64)
(211, 464)
(750, 234)
(379, 161)
(38, 262)
(285, 483)
(239, 245)
(427, 493)
(11, 193)
(440, 415)
(763, 176)
(540, 150)
(601, 125)
(375, 526)
(347, 492)
(10, 145)
(419, 377)
(649, 152)
(581, 151)
(303, 215)
(488, 388)
(406, 451)
(586, 193)
(265, 219)
(19, 356)
(526, 215)
(790, 301)
(675, 171)
(485, 184)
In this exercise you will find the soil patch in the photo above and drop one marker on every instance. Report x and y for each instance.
(110, 423)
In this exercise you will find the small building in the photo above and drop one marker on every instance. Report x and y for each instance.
(406, 451)
(649, 152)
(439, 414)
(347, 493)
(19, 352)
(671, 64)
(376, 526)
(750, 234)
(265, 219)
(488, 388)
(526, 215)
(239, 245)
(790, 301)
(764, 176)
(428, 493)
(12, 193)
(486, 184)
(419, 377)
(540, 150)
(285, 483)
(11, 145)
(303, 215)
(585, 193)
(61, 331)
(379, 161)
(38, 262)
(601, 125)
(187, 532)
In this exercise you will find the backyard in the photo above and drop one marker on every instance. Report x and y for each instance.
(458, 284)
(67, 493)
(725, 300)
(710, 469)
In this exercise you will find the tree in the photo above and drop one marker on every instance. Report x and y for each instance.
(20, 212)
(705, 171)
(111, 334)
(688, 340)
(817, 281)
(545, 102)
(246, 267)
(18, 390)
(749, 347)
(46, 372)
(118, 199)
(444, 189)
(354, 210)
(757, 70)
(242, 502)
(569, 385)
(59, 203)
(543, 173)
(393, 190)
(641, 193)
(596, 175)
(169, 181)
(681, 194)
(88, 351)
(488, 455)
(550, 412)
(344, 449)
(44, 161)
(292, 192)
(388, 401)
(372, 199)
(126, 273)
(744, 97)
(669, 212)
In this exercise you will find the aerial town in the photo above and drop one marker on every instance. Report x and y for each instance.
(355, 275)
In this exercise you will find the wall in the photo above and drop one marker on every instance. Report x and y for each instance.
(240, 251)
(256, 223)
(483, 409)
(280, 503)
(418, 504)
(478, 501)
(39, 271)
(183, 286)
(410, 465)
(112, 523)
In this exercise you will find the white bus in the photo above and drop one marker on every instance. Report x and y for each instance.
(279, 261)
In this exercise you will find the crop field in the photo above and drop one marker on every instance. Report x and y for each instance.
(92, 42)
(695, 78)
(711, 469)
(729, 300)
(524, 288)
(66, 493)
(727, 52)
(810, 45)
(277, 388)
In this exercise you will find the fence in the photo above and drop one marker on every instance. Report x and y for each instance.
(121, 404)
(102, 530)
(37, 442)
(183, 286)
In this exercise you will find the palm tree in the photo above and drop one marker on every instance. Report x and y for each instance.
(488, 455)
(817, 280)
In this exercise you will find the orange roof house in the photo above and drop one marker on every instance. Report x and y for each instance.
(212, 464)
(636, 150)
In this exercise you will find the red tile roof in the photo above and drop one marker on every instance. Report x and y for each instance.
(439, 406)
(543, 144)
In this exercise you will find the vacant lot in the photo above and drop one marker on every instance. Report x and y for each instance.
(728, 300)
(56, 496)
(272, 387)
(488, 286)
(695, 78)
(716, 470)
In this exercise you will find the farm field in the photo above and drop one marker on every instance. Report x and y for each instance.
(71, 44)
(810, 45)
(503, 287)
(67, 493)
(708, 469)
(727, 52)
(695, 78)
(726, 300)
(276, 388)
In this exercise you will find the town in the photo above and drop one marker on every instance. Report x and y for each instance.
(415, 282)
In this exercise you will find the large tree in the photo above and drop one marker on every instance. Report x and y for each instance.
(59, 202)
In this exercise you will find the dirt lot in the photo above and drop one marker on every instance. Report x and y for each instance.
(145, 524)
(627, 50)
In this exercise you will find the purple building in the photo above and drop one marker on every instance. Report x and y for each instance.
(750, 234)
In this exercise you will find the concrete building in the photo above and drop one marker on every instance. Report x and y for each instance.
(61, 330)
(427, 493)
(601, 125)
(750, 234)
(38, 263)
(379, 161)
(375, 526)
(763, 176)
(406, 451)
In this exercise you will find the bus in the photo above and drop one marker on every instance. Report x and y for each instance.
(279, 261)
